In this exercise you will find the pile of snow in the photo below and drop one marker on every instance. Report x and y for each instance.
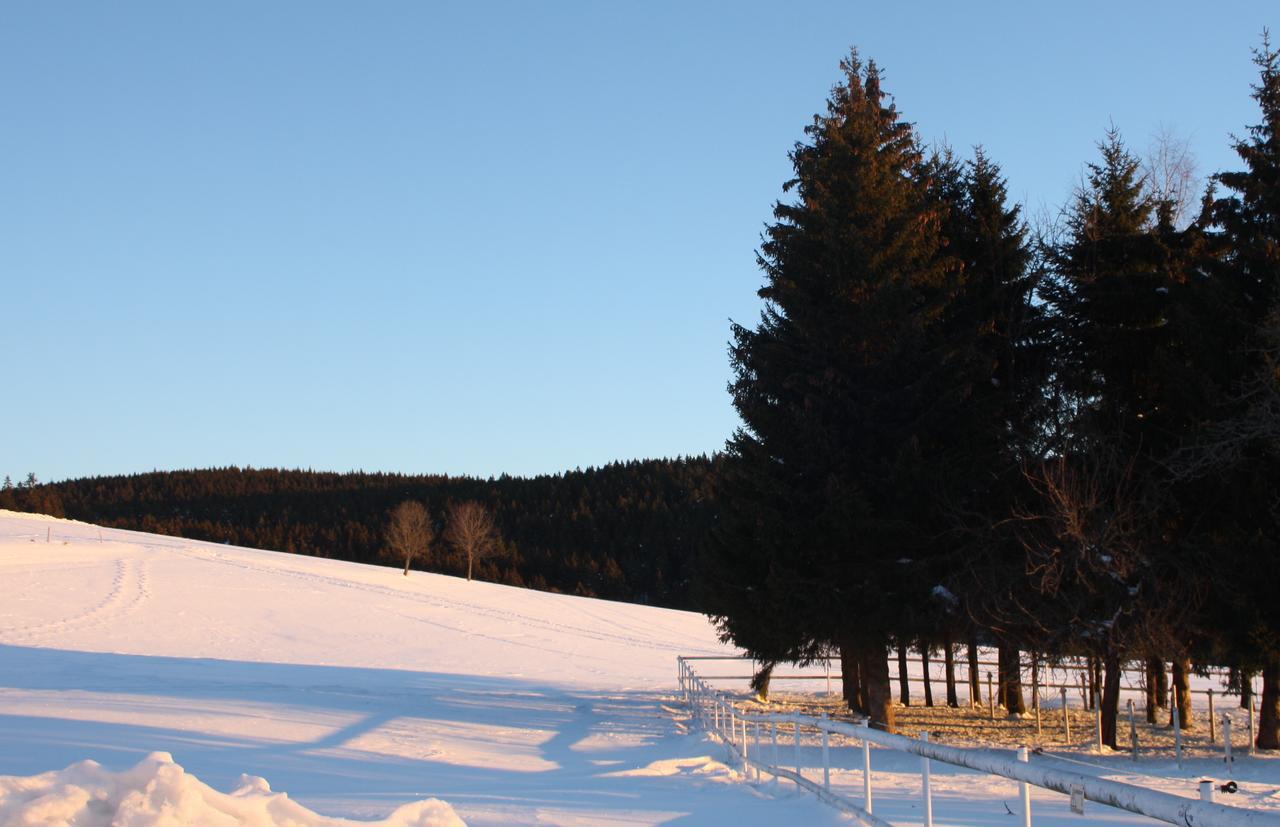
(159, 792)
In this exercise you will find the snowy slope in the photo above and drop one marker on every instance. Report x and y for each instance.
(190, 672)
(354, 689)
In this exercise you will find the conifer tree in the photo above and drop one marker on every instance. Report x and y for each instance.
(826, 485)
(1245, 447)
(1127, 323)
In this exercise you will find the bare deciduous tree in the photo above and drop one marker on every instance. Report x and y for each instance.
(1170, 172)
(409, 533)
(472, 532)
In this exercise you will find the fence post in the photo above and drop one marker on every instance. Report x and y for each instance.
(828, 678)
(1213, 734)
(1024, 790)
(1177, 734)
(1066, 719)
(1251, 734)
(796, 717)
(755, 746)
(1133, 731)
(925, 785)
(1226, 743)
(773, 737)
(826, 755)
(1206, 791)
(866, 768)
(1097, 719)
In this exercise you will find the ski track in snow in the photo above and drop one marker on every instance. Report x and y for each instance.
(128, 592)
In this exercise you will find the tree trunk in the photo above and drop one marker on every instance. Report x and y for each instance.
(1035, 681)
(1269, 719)
(850, 679)
(1010, 674)
(469, 580)
(904, 688)
(875, 680)
(975, 685)
(1182, 692)
(1162, 685)
(760, 680)
(1091, 671)
(949, 669)
(1110, 700)
(1155, 670)
(924, 664)
(1246, 688)
(407, 559)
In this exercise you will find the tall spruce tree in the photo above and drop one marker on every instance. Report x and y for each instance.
(1245, 447)
(827, 485)
(1124, 299)
(1000, 326)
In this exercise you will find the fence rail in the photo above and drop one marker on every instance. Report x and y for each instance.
(741, 731)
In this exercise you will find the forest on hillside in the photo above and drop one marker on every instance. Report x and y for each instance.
(625, 531)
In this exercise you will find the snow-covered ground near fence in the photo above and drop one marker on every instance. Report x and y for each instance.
(199, 678)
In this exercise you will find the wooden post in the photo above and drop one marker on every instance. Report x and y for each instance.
(1252, 736)
(1133, 731)
(1066, 718)
(1097, 717)
(1177, 734)
(1226, 743)
(1213, 733)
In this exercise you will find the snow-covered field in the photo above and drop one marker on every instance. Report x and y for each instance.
(353, 689)
(153, 680)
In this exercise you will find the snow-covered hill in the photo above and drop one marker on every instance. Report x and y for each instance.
(354, 689)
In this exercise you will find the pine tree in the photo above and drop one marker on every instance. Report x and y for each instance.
(827, 485)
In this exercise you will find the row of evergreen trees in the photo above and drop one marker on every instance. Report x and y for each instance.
(626, 531)
(957, 429)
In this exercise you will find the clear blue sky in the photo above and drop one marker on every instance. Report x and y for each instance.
(478, 238)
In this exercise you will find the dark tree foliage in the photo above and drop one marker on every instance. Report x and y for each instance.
(626, 531)
(1241, 454)
(826, 488)
(999, 329)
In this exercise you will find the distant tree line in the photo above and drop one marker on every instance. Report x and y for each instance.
(625, 531)
(962, 429)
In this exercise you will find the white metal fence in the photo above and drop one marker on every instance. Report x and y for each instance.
(760, 741)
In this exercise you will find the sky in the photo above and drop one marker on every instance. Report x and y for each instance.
(482, 238)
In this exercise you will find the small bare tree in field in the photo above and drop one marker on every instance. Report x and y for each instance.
(472, 532)
(409, 533)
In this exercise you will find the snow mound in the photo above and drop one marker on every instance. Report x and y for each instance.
(159, 793)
